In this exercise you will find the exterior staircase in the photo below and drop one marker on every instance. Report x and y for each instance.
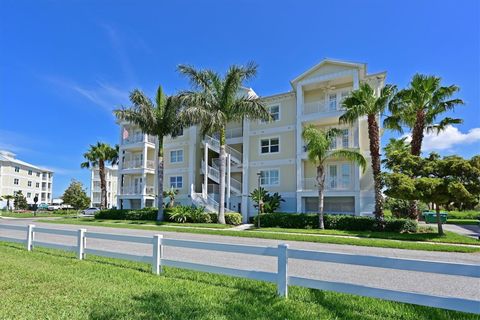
(214, 144)
(214, 174)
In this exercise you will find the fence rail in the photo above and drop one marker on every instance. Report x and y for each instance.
(283, 255)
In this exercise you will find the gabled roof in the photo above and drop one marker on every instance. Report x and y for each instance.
(328, 61)
(7, 156)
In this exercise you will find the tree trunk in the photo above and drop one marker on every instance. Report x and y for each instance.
(103, 184)
(160, 216)
(416, 150)
(321, 186)
(374, 137)
(439, 220)
(223, 156)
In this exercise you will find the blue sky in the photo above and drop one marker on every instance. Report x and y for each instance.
(64, 65)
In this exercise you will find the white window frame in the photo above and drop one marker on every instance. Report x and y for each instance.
(29, 183)
(176, 183)
(16, 181)
(17, 169)
(269, 108)
(176, 151)
(29, 194)
(269, 145)
(269, 183)
(30, 172)
(347, 135)
(37, 185)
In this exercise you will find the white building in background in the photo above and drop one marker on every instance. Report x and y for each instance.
(275, 150)
(17, 175)
(111, 182)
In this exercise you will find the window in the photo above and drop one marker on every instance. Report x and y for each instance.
(274, 112)
(176, 156)
(36, 195)
(29, 195)
(345, 175)
(176, 182)
(179, 132)
(333, 145)
(38, 174)
(332, 176)
(29, 183)
(17, 169)
(270, 177)
(332, 102)
(15, 181)
(271, 145)
(37, 185)
(345, 138)
(30, 172)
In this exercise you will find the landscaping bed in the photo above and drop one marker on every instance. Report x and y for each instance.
(29, 214)
(56, 285)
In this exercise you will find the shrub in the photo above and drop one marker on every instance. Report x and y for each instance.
(233, 218)
(125, 214)
(179, 214)
(338, 221)
(400, 208)
(198, 215)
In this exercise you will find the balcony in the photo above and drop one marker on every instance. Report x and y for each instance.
(138, 138)
(137, 190)
(137, 164)
(331, 184)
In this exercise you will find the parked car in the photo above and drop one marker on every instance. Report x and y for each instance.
(54, 207)
(90, 211)
(42, 206)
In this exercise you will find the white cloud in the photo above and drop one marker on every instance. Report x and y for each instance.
(448, 138)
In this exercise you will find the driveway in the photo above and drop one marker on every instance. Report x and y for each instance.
(433, 284)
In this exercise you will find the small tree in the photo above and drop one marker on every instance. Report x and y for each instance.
(267, 202)
(170, 193)
(436, 180)
(20, 202)
(76, 196)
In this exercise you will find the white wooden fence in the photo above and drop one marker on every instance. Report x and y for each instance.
(283, 255)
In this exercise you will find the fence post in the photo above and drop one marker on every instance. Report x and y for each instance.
(157, 254)
(282, 270)
(30, 237)
(81, 243)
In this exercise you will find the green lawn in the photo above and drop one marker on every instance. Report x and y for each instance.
(449, 237)
(58, 213)
(463, 221)
(50, 284)
(369, 242)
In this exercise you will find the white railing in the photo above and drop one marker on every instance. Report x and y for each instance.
(151, 139)
(132, 164)
(131, 190)
(215, 145)
(150, 190)
(235, 184)
(282, 253)
(330, 184)
(234, 133)
(319, 107)
(214, 174)
(151, 164)
(96, 199)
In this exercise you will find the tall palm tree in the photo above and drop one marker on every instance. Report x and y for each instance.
(364, 102)
(97, 156)
(318, 144)
(158, 119)
(419, 106)
(214, 102)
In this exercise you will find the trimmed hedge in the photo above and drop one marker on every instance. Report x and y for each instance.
(338, 222)
(190, 214)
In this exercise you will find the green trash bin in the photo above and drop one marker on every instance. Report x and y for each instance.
(431, 217)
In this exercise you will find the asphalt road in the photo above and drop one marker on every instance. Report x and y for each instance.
(433, 284)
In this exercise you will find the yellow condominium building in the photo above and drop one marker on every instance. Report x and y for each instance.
(17, 175)
(271, 154)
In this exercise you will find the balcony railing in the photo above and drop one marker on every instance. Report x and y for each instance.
(139, 138)
(128, 190)
(334, 184)
(319, 107)
(137, 164)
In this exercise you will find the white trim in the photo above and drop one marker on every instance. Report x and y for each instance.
(279, 177)
(278, 162)
(269, 107)
(176, 151)
(273, 130)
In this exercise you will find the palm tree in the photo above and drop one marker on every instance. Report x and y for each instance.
(214, 102)
(158, 119)
(419, 106)
(364, 102)
(8, 197)
(318, 144)
(171, 194)
(96, 156)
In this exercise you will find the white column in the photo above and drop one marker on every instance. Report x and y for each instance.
(245, 169)
(205, 176)
(299, 140)
(228, 180)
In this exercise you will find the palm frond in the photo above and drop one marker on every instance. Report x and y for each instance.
(351, 155)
